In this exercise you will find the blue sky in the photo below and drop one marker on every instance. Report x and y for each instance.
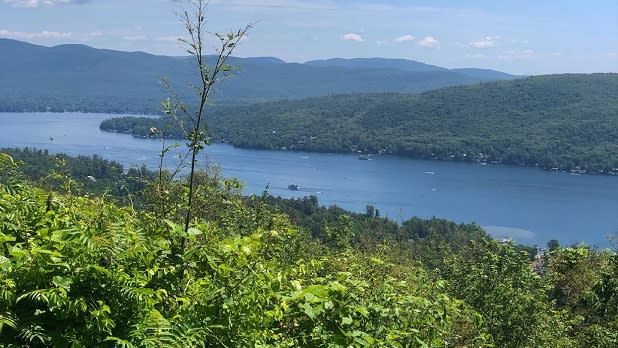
(521, 37)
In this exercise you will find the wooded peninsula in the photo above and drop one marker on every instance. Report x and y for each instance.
(556, 122)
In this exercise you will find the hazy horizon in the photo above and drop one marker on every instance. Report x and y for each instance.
(523, 38)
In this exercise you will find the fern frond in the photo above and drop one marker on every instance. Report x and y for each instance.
(7, 319)
(120, 343)
(33, 334)
(53, 297)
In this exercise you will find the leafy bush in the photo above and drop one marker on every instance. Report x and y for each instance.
(77, 271)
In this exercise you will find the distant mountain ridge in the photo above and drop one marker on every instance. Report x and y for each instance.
(81, 78)
(376, 63)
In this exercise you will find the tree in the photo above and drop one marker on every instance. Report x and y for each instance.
(553, 245)
(497, 281)
(209, 75)
(370, 211)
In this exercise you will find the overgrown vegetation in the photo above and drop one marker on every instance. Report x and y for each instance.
(84, 271)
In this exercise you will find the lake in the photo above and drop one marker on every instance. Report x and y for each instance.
(527, 204)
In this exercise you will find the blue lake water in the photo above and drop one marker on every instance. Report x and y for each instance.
(527, 204)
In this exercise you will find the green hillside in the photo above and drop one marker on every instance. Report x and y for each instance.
(82, 78)
(568, 122)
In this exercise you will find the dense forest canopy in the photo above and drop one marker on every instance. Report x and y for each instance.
(562, 122)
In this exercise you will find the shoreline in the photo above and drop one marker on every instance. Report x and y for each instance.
(572, 171)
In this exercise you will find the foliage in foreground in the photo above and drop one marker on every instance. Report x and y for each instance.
(77, 271)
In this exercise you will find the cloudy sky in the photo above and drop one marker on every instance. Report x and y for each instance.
(521, 37)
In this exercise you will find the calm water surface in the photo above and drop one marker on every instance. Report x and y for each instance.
(527, 204)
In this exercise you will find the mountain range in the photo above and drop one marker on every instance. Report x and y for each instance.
(79, 77)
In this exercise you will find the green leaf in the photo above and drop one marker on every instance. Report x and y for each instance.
(192, 232)
(62, 282)
(309, 310)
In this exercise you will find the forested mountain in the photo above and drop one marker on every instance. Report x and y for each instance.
(485, 74)
(82, 78)
(408, 66)
(567, 122)
(376, 63)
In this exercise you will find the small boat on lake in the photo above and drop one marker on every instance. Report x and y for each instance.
(293, 187)
(364, 157)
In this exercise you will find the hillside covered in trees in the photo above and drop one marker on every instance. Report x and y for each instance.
(561, 122)
(83, 78)
(82, 270)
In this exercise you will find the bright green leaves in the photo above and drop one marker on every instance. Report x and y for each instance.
(311, 310)
(584, 284)
(497, 281)
(340, 235)
(137, 281)
(92, 274)
(62, 282)
(6, 265)
(359, 303)
(346, 320)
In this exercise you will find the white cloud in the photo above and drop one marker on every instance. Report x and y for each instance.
(272, 4)
(134, 37)
(88, 36)
(404, 38)
(520, 42)
(515, 55)
(476, 56)
(487, 42)
(429, 42)
(352, 37)
(35, 35)
(42, 3)
(49, 35)
(373, 7)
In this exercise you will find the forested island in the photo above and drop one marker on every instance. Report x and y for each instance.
(556, 122)
(107, 266)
